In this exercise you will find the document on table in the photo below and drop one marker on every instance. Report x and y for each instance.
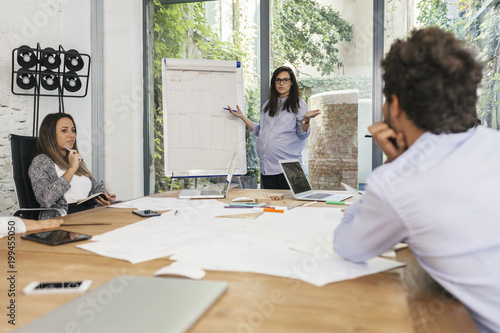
(155, 203)
(291, 244)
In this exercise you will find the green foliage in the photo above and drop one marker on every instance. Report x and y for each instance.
(306, 32)
(434, 13)
(486, 38)
(480, 25)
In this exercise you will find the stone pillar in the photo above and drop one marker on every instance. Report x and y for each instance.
(333, 144)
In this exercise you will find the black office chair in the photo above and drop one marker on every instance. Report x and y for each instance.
(23, 151)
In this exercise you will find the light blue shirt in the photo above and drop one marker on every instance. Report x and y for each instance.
(280, 137)
(442, 198)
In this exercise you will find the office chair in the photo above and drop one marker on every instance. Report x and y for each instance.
(22, 151)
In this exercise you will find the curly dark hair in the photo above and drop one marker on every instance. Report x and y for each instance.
(292, 103)
(435, 77)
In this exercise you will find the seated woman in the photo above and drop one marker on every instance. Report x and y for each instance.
(58, 174)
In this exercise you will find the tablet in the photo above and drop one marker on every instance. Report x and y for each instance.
(56, 237)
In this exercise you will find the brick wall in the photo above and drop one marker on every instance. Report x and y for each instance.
(22, 22)
(333, 144)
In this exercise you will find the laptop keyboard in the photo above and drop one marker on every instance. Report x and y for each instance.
(318, 196)
(210, 192)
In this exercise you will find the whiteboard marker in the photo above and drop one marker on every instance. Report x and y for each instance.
(234, 110)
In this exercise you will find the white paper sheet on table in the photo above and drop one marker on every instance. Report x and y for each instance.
(156, 203)
(294, 244)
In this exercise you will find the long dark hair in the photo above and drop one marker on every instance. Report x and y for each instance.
(47, 143)
(292, 102)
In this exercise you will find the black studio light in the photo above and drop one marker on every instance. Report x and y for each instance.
(25, 79)
(26, 57)
(49, 80)
(72, 82)
(73, 61)
(51, 59)
(49, 72)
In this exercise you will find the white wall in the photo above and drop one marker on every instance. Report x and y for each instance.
(68, 22)
(123, 111)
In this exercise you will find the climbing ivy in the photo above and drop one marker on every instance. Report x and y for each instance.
(306, 32)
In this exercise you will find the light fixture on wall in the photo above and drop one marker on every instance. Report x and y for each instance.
(49, 72)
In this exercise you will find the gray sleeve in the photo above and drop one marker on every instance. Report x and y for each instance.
(49, 189)
(96, 187)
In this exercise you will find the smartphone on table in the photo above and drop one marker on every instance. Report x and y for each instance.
(39, 288)
(146, 213)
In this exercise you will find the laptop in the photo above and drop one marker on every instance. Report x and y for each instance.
(301, 189)
(212, 193)
(131, 304)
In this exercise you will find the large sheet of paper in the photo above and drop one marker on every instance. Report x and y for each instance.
(296, 244)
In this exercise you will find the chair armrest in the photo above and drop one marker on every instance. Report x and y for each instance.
(61, 211)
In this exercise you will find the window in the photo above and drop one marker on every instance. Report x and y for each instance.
(329, 44)
(476, 21)
(218, 30)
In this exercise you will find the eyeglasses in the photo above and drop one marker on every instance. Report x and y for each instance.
(284, 81)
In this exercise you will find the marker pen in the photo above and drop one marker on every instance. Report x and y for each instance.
(336, 202)
(272, 210)
(234, 110)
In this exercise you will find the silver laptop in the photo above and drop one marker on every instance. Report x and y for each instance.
(301, 189)
(212, 193)
(131, 304)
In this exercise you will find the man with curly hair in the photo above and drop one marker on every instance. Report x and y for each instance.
(438, 190)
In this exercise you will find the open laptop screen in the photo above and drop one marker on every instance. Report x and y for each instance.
(296, 177)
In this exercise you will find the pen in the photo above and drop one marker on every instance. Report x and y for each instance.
(309, 204)
(336, 202)
(70, 150)
(234, 110)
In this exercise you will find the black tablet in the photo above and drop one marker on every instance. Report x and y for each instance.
(56, 237)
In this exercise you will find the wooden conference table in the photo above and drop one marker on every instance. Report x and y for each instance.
(401, 300)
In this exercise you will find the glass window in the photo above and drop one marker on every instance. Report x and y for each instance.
(476, 21)
(329, 45)
(217, 30)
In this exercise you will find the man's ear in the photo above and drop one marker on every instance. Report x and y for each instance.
(396, 111)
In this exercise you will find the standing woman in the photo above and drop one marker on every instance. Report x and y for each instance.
(283, 127)
(58, 175)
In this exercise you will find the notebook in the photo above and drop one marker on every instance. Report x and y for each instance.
(212, 193)
(131, 304)
(301, 189)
